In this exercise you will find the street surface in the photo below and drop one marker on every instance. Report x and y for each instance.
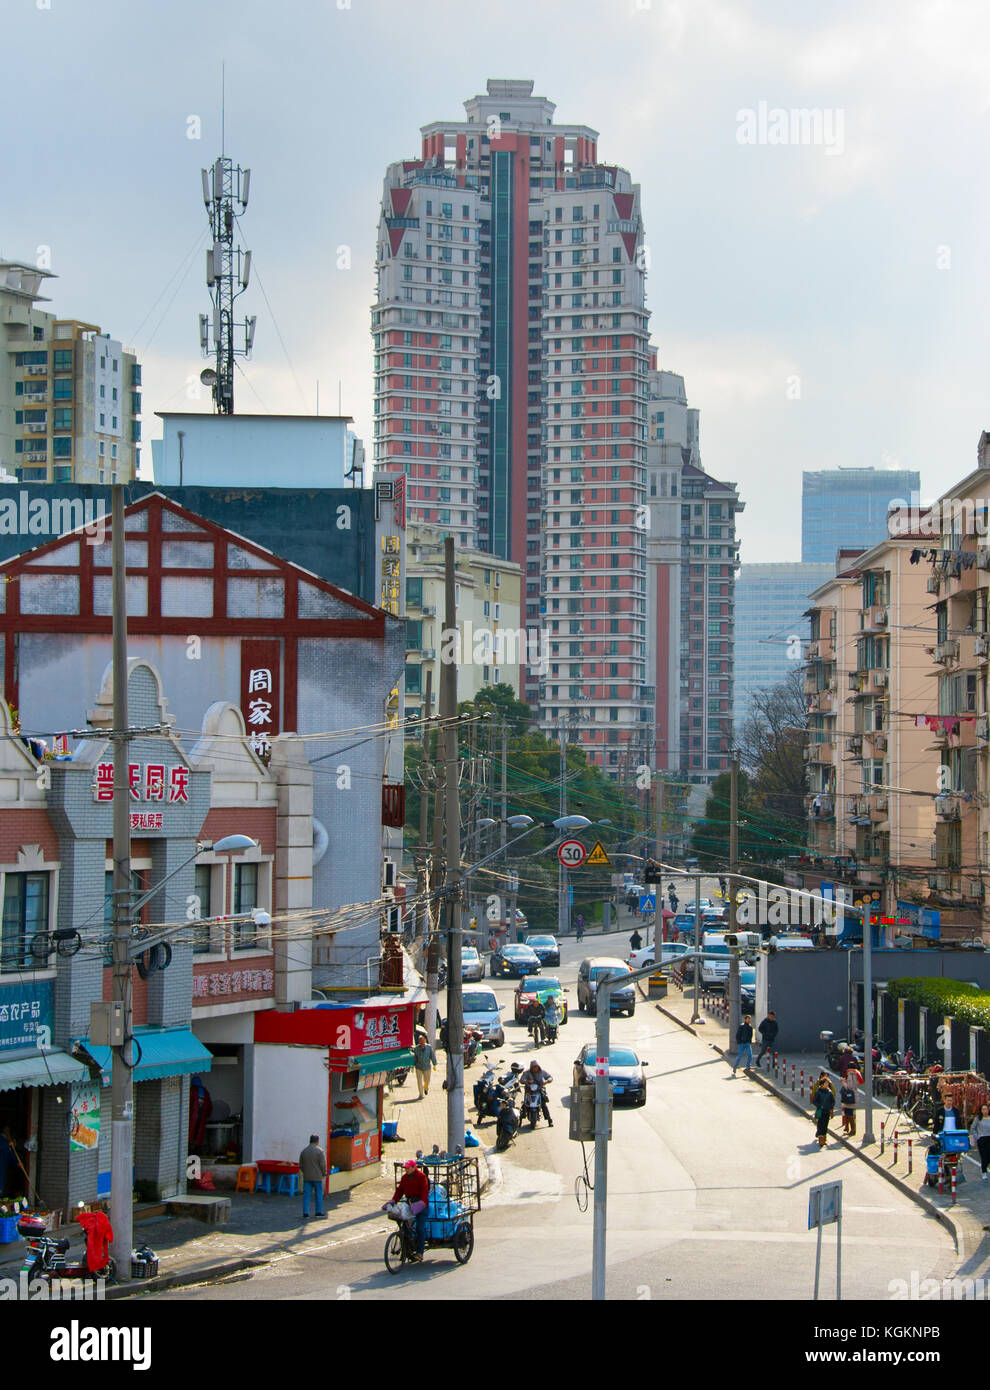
(708, 1194)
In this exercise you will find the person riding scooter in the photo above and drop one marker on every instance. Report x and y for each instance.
(534, 1078)
(536, 1017)
(552, 1016)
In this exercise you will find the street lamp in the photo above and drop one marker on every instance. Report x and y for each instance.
(134, 946)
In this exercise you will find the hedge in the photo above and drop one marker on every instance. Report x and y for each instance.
(947, 997)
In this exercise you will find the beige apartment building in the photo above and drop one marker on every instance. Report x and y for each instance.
(955, 558)
(872, 768)
(487, 595)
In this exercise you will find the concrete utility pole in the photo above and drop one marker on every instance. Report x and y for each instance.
(122, 1092)
(452, 883)
(563, 915)
(423, 877)
(868, 1137)
(733, 985)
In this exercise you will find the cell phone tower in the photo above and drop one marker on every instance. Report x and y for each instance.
(228, 268)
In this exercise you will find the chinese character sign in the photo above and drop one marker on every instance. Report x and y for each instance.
(24, 1010)
(146, 782)
(261, 664)
(209, 985)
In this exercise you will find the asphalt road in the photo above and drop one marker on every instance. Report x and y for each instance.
(707, 1195)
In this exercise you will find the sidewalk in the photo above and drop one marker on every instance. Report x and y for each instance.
(265, 1229)
(968, 1220)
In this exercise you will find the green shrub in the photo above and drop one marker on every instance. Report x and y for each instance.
(962, 1001)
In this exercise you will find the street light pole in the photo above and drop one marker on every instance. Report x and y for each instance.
(563, 916)
(122, 1078)
(452, 882)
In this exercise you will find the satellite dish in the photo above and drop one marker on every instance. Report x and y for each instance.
(208, 376)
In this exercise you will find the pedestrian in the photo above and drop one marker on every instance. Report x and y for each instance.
(313, 1171)
(768, 1031)
(414, 1186)
(425, 1062)
(847, 1098)
(744, 1044)
(847, 1059)
(635, 941)
(723, 887)
(579, 926)
(980, 1131)
(823, 1100)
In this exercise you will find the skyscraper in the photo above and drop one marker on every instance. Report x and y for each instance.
(511, 354)
(772, 630)
(847, 507)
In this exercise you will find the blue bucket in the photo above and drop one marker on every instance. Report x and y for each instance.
(390, 1129)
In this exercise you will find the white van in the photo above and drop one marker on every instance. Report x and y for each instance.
(714, 960)
(482, 1010)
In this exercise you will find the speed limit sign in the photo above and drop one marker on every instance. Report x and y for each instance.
(572, 854)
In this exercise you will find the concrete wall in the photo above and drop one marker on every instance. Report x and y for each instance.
(291, 1088)
(252, 450)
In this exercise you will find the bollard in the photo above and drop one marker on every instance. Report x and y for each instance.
(792, 1076)
(910, 1155)
(953, 1184)
(894, 1141)
(883, 1126)
(776, 1065)
(941, 1175)
(802, 1083)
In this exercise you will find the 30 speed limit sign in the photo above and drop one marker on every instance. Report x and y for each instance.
(572, 854)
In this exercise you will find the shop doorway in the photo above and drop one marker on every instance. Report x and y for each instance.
(15, 1126)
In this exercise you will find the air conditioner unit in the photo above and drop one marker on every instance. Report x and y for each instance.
(981, 646)
(35, 428)
(932, 584)
(36, 457)
(880, 741)
(983, 557)
(37, 370)
(983, 727)
(976, 888)
(880, 678)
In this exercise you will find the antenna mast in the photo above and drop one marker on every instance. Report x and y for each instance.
(228, 269)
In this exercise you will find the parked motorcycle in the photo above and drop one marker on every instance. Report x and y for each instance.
(46, 1256)
(472, 1045)
(508, 1119)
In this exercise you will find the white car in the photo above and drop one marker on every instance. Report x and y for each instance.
(671, 953)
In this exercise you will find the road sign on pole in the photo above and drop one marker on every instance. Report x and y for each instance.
(572, 854)
(598, 859)
(824, 1208)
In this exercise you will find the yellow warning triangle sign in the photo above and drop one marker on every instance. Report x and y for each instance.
(598, 857)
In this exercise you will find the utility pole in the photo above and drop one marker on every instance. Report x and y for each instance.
(122, 1092)
(509, 915)
(563, 916)
(452, 884)
(733, 985)
(423, 876)
(868, 1137)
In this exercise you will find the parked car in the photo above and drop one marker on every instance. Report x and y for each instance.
(791, 943)
(626, 1072)
(590, 971)
(472, 964)
(521, 919)
(706, 906)
(545, 948)
(714, 960)
(516, 960)
(683, 923)
(542, 985)
(671, 953)
(482, 1010)
(747, 988)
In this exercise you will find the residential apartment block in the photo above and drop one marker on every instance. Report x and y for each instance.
(488, 622)
(511, 355)
(70, 395)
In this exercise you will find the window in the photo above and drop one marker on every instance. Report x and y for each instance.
(245, 901)
(204, 895)
(25, 914)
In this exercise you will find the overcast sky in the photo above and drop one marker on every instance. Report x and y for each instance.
(826, 303)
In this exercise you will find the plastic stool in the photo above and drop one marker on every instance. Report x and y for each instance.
(292, 1179)
(247, 1178)
(264, 1183)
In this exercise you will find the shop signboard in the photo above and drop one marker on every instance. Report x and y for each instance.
(260, 692)
(358, 1030)
(26, 1014)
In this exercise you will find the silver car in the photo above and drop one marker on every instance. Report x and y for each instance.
(482, 1010)
(472, 964)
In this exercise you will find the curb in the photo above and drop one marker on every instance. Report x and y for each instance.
(963, 1232)
(132, 1288)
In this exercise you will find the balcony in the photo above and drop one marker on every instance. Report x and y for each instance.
(821, 806)
(819, 753)
(948, 807)
(874, 619)
(947, 651)
(854, 744)
(878, 807)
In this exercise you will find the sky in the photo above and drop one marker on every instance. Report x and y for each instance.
(822, 287)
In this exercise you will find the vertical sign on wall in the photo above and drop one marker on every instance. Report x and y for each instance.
(260, 692)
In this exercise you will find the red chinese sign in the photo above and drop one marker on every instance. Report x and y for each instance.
(348, 1032)
(147, 782)
(260, 690)
(147, 820)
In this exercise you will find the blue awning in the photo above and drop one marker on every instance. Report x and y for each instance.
(163, 1052)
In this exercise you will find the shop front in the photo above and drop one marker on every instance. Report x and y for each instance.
(329, 1061)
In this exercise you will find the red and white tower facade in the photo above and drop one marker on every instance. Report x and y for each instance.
(511, 359)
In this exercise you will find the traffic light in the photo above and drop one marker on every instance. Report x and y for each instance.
(652, 873)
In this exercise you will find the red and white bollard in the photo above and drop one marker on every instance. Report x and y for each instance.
(894, 1139)
(792, 1076)
(883, 1126)
(910, 1143)
(953, 1184)
(776, 1065)
(802, 1083)
(941, 1175)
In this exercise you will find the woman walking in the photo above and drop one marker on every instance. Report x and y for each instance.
(823, 1099)
(847, 1095)
(980, 1131)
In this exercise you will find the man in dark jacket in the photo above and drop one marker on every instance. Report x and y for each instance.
(635, 941)
(768, 1031)
(744, 1044)
(313, 1171)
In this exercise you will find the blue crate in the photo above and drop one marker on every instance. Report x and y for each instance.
(8, 1229)
(954, 1141)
